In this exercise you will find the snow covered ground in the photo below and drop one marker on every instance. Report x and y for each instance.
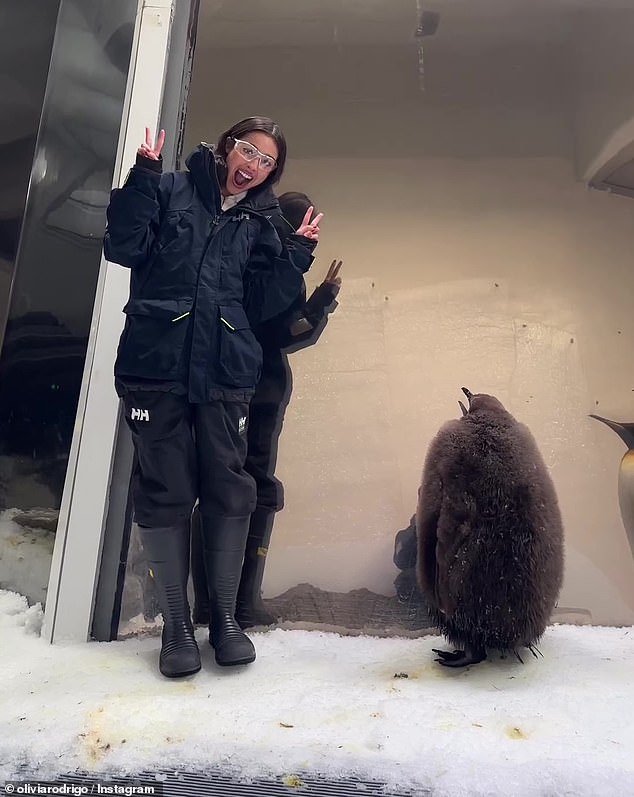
(321, 703)
(25, 557)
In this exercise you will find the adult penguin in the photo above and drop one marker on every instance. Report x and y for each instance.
(626, 475)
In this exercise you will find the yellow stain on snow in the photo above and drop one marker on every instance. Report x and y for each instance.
(106, 729)
(94, 745)
(292, 782)
(515, 733)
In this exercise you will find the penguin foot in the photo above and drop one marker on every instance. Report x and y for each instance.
(446, 655)
(460, 658)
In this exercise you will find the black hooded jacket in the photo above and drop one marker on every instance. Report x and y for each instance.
(200, 278)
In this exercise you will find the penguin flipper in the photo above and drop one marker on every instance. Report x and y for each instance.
(427, 516)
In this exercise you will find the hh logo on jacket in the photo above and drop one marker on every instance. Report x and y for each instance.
(140, 415)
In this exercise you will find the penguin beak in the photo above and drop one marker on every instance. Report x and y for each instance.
(469, 395)
(624, 430)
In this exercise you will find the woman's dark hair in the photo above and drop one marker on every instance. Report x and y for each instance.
(257, 124)
(294, 205)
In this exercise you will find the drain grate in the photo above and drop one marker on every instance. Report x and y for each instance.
(219, 784)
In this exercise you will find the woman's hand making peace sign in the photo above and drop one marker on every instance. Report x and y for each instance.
(332, 277)
(310, 229)
(147, 150)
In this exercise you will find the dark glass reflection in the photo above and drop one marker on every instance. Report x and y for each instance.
(27, 30)
(55, 279)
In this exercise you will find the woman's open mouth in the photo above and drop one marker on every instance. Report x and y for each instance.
(241, 179)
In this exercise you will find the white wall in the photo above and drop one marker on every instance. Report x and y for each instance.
(504, 277)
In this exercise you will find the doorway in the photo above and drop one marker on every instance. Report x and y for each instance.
(447, 147)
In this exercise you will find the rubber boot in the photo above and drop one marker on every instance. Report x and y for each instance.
(200, 613)
(250, 608)
(167, 553)
(224, 540)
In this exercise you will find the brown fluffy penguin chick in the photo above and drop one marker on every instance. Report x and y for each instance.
(490, 536)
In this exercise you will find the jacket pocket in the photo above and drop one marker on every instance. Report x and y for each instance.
(153, 339)
(240, 356)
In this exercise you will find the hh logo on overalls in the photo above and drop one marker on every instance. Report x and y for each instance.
(242, 425)
(140, 415)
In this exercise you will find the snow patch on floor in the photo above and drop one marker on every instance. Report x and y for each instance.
(321, 703)
(25, 557)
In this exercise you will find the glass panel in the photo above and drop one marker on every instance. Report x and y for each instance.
(450, 154)
(26, 33)
(53, 292)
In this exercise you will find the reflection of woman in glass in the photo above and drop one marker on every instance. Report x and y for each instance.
(207, 265)
(297, 327)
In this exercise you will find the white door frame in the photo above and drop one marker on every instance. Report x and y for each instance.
(82, 517)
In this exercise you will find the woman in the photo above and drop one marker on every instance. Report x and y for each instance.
(297, 327)
(206, 265)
